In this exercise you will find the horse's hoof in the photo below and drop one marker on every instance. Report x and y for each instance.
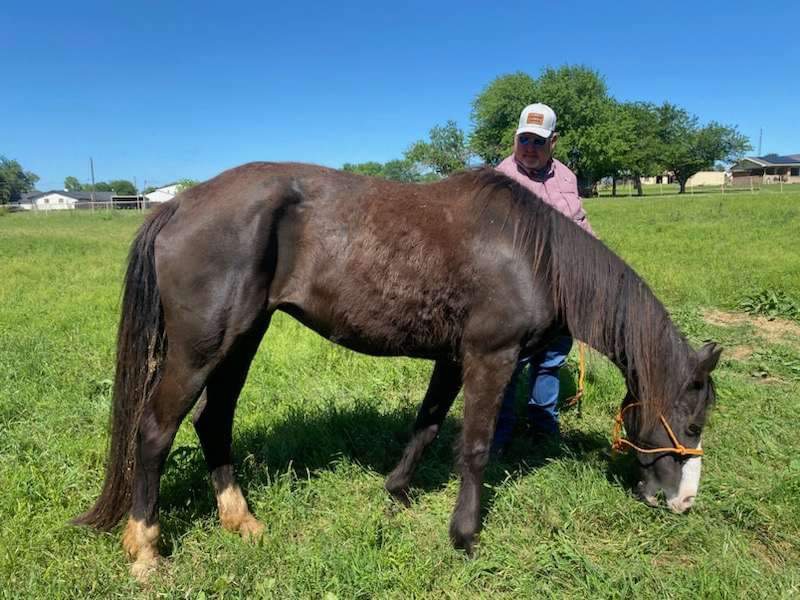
(251, 529)
(400, 495)
(143, 568)
(463, 541)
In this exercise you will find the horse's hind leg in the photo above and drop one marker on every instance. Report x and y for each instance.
(485, 379)
(173, 397)
(213, 421)
(442, 390)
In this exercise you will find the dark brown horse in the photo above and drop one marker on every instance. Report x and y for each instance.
(471, 272)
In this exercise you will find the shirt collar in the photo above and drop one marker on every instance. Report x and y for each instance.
(541, 174)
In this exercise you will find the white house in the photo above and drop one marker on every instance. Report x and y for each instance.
(162, 194)
(53, 201)
(708, 178)
(63, 200)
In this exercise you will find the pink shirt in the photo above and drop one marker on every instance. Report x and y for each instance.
(558, 188)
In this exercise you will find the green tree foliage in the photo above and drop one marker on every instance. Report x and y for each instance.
(636, 149)
(185, 184)
(123, 187)
(71, 184)
(586, 119)
(599, 137)
(446, 152)
(495, 115)
(396, 170)
(687, 148)
(401, 169)
(370, 169)
(120, 187)
(14, 181)
(589, 141)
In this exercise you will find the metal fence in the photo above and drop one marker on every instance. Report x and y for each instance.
(88, 206)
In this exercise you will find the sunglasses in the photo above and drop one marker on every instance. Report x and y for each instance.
(535, 141)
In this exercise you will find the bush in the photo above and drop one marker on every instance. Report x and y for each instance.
(771, 304)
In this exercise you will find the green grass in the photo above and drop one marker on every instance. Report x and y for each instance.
(319, 427)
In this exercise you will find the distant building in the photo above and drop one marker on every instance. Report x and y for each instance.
(665, 177)
(163, 194)
(64, 200)
(698, 179)
(707, 178)
(26, 201)
(767, 169)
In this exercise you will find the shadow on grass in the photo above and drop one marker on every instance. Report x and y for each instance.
(305, 444)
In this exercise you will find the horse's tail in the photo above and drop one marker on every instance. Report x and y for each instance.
(141, 346)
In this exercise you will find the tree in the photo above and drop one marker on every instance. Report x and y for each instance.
(14, 181)
(123, 187)
(446, 152)
(370, 169)
(586, 126)
(495, 114)
(185, 184)
(580, 99)
(688, 148)
(397, 170)
(401, 170)
(637, 124)
(71, 184)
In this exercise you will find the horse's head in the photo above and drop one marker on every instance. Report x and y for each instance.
(669, 453)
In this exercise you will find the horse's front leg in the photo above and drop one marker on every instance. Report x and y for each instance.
(442, 390)
(485, 379)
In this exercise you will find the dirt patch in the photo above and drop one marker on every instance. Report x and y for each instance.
(740, 353)
(775, 330)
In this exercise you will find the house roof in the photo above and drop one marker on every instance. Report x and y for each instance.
(771, 160)
(79, 196)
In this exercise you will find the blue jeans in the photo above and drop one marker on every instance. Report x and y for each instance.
(542, 393)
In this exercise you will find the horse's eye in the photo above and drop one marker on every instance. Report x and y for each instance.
(693, 430)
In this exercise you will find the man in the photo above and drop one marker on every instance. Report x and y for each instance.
(532, 164)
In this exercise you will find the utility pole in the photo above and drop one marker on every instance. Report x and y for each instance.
(760, 134)
(91, 168)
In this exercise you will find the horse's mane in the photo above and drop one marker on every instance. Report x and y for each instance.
(599, 298)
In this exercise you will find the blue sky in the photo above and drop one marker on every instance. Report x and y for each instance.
(164, 90)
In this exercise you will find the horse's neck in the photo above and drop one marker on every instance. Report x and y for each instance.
(606, 304)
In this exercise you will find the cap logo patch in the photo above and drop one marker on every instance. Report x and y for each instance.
(535, 118)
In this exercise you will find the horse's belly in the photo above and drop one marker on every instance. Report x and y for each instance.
(383, 329)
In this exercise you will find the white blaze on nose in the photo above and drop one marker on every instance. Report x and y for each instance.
(690, 482)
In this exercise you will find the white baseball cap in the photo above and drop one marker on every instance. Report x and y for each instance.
(537, 118)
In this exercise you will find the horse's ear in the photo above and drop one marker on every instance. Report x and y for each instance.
(707, 358)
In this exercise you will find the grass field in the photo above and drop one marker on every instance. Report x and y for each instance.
(319, 427)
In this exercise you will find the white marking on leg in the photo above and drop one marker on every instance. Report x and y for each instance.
(233, 512)
(141, 543)
(690, 483)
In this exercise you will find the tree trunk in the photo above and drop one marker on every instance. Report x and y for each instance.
(613, 186)
(682, 182)
(637, 181)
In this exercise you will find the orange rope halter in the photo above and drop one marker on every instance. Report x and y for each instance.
(576, 399)
(620, 444)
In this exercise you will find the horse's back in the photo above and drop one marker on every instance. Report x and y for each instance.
(379, 266)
